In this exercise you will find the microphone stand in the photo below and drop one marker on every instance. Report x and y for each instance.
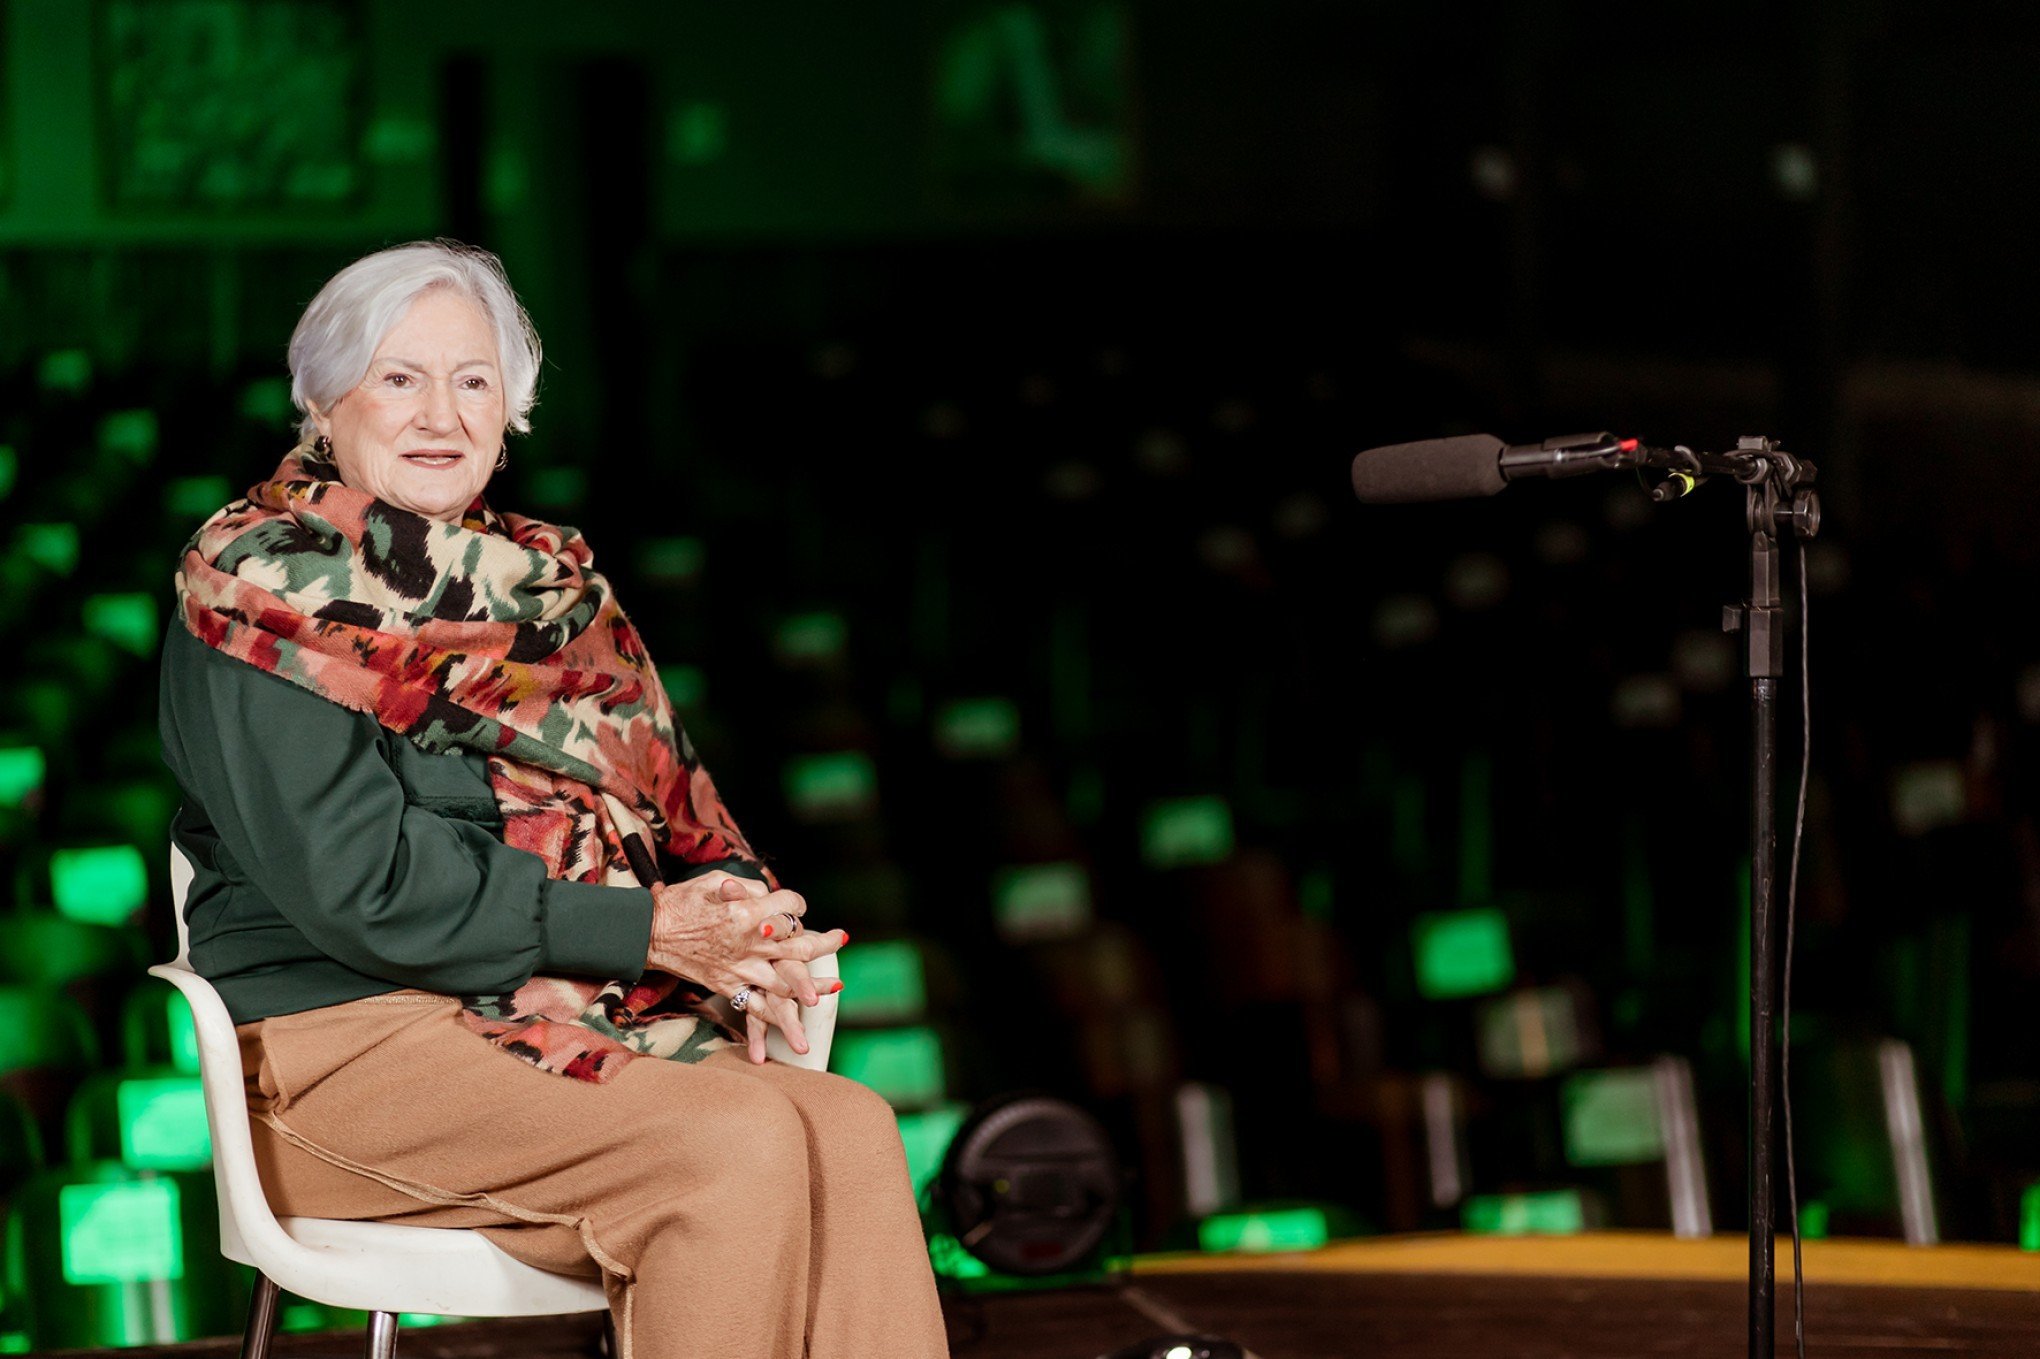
(1780, 502)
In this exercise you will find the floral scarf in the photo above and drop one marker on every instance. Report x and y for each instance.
(496, 635)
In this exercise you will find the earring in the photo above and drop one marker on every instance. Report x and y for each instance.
(322, 445)
(502, 457)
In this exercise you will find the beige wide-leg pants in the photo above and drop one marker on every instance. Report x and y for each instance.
(730, 1209)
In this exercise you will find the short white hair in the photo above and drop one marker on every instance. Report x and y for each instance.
(337, 336)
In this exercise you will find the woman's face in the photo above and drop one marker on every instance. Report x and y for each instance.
(423, 429)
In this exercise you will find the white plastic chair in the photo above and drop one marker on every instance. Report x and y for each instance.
(369, 1266)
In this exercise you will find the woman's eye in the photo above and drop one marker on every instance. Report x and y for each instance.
(475, 384)
(398, 379)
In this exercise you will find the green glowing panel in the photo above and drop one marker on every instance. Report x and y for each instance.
(1813, 1221)
(1289, 1229)
(697, 133)
(1042, 901)
(2029, 1218)
(53, 547)
(904, 1065)
(1552, 1212)
(811, 637)
(64, 370)
(22, 771)
(833, 786)
(128, 620)
(1611, 1118)
(882, 983)
(927, 1136)
(1527, 1034)
(1462, 953)
(1180, 832)
(686, 685)
(978, 728)
(162, 1123)
(101, 885)
(183, 1034)
(950, 1260)
(559, 488)
(130, 436)
(10, 469)
(120, 1233)
(196, 497)
(671, 561)
(267, 400)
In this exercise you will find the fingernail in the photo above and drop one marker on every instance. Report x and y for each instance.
(766, 929)
(845, 934)
(834, 989)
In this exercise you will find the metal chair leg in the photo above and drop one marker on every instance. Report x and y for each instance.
(262, 1307)
(382, 1335)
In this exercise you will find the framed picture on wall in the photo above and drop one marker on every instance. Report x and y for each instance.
(230, 105)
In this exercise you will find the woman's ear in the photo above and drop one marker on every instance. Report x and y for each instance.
(321, 420)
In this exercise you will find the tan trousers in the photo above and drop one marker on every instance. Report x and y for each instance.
(729, 1209)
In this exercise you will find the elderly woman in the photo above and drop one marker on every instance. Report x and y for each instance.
(475, 905)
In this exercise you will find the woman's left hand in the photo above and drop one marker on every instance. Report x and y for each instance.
(768, 1011)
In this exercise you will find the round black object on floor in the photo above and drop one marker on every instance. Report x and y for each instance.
(1031, 1184)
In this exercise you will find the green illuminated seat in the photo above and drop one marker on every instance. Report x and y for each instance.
(99, 884)
(157, 1029)
(906, 1065)
(45, 1029)
(148, 1118)
(884, 982)
(102, 1254)
(40, 948)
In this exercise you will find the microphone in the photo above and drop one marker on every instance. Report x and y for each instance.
(1479, 464)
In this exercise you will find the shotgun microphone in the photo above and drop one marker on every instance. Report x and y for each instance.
(1479, 464)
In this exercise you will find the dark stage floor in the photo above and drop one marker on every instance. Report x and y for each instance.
(1432, 1298)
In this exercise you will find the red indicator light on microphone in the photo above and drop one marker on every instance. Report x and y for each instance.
(1627, 445)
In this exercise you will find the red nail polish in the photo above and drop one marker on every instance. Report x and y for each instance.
(834, 989)
(845, 934)
(766, 929)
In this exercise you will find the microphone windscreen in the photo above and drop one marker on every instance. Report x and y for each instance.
(1430, 469)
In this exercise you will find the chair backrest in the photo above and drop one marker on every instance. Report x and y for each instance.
(180, 884)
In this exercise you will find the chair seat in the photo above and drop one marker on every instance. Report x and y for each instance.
(449, 1271)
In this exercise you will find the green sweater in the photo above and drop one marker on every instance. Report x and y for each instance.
(334, 859)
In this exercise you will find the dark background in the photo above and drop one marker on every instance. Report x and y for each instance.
(1030, 344)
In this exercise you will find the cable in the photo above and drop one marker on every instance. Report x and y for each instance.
(1791, 920)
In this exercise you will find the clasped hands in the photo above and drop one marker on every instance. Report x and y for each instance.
(720, 930)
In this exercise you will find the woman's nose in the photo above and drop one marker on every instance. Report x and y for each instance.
(437, 411)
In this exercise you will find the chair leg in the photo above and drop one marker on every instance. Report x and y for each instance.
(382, 1335)
(262, 1306)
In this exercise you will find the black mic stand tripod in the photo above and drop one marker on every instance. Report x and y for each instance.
(1779, 502)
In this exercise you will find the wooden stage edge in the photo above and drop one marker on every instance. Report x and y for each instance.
(1633, 1255)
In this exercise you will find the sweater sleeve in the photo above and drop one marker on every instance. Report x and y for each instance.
(304, 798)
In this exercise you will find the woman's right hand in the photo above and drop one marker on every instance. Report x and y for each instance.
(712, 929)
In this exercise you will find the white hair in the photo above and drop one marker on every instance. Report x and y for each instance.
(337, 336)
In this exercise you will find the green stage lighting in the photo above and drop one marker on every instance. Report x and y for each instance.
(675, 560)
(2029, 1218)
(195, 497)
(64, 370)
(557, 488)
(1181, 832)
(130, 436)
(904, 1065)
(52, 546)
(1279, 1230)
(1611, 1117)
(1552, 1212)
(1041, 901)
(22, 770)
(162, 1123)
(927, 1136)
(120, 1232)
(100, 884)
(978, 728)
(1462, 953)
(837, 786)
(10, 469)
(686, 685)
(883, 983)
(809, 637)
(128, 620)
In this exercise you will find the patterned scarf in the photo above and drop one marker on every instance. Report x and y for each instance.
(496, 635)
